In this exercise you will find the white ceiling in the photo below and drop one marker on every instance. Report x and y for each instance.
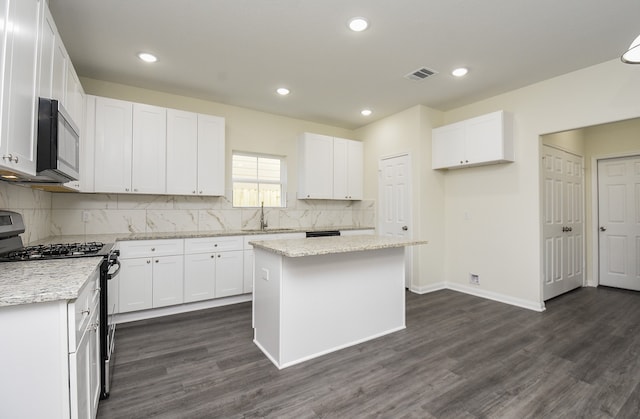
(239, 51)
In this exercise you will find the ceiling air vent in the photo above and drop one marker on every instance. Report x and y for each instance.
(420, 74)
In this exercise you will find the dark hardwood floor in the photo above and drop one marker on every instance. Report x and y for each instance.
(460, 357)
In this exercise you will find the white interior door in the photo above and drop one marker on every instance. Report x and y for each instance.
(619, 222)
(394, 189)
(563, 225)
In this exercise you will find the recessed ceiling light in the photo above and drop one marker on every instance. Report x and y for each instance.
(283, 91)
(366, 112)
(358, 24)
(459, 72)
(147, 58)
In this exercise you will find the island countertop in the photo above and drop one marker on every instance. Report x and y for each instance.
(330, 245)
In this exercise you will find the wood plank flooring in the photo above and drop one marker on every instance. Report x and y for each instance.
(460, 357)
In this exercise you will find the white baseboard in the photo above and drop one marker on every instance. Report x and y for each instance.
(479, 292)
(181, 308)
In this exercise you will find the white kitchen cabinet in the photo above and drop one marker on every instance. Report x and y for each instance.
(347, 169)
(329, 168)
(151, 274)
(84, 369)
(199, 277)
(19, 84)
(229, 273)
(113, 138)
(213, 267)
(315, 166)
(195, 153)
(487, 139)
(148, 172)
(247, 281)
(135, 284)
(167, 280)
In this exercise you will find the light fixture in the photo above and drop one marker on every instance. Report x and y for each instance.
(358, 24)
(459, 72)
(282, 91)
(632, 56)
(366, 112)
(147, 57)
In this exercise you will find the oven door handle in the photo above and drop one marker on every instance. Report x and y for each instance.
(115, 273)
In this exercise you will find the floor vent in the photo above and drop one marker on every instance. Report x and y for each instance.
(420, 74)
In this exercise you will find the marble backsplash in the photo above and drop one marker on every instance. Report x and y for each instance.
(33, 204)
(104, 213)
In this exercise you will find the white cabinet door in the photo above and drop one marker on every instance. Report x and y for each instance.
(113, 137)
(199, 277)
(167, 280)
(211, 155)
(47, 45)
(182, 152)
(340, 168)
(355, 169)
(483, 139)
(136, 284)
(229, 273)
(59, 75)
(315, 166)
(447, 146)
(84, 371)
(247, 285)
(19, 85)
(148, 171)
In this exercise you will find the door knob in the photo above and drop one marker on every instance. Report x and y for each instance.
(603, 228)
(405, 228)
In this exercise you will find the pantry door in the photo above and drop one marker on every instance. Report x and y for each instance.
(563, 225)
(394, 189)
(619, 222)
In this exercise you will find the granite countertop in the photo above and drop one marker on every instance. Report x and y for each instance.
(46, 280)
(328, 245)
(112, 238)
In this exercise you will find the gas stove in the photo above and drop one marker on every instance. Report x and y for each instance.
(57, 251)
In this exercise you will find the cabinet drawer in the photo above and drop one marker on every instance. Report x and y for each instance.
(213, 244)
(80, 310)
(151, 248)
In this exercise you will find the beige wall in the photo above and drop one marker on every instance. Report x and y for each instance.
(409, 132)
(501, 239)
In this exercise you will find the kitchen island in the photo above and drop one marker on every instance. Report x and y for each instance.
(317, 295)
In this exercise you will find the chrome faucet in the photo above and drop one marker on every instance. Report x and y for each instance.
(263, 223)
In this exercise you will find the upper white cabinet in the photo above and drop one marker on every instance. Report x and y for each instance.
(148, 172)
(195, 153)
(347, 169)
(113, 140)
(153, 150)
(487, 139)
(329, 168)
(18, 87)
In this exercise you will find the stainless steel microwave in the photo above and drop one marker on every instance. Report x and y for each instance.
(58, 145)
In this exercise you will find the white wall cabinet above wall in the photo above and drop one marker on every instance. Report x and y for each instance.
(145, 149)
(18, 86)
(195, 153)
(486, 139)
(329, 168)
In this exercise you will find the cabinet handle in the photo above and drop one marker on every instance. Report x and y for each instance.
(15, 159)
(308, 196)
(87, 312)
(148, 261)
(193, 192)
(126, 189)
(153, 249)
(215, 245)
(5, 157)
(135, 190)
(218, 255)
(461, 162)
(466, 161)
(94, 326)
(212, 256)
(157, 260)
(200, 192)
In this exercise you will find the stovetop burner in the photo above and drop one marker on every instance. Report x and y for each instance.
(55, 251)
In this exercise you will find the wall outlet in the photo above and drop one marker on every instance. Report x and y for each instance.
(85, 216)
(474, 279)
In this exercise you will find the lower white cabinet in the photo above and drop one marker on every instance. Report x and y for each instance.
(213, 268)
(50, 357)
(151, 274)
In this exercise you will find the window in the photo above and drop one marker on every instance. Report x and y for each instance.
(257, 179)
